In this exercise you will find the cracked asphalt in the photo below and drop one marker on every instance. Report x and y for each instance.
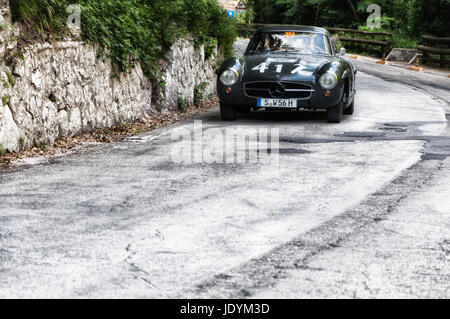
(358, 209)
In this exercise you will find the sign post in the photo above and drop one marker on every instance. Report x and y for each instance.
(230, 13)
(229, 6)
(241, 7)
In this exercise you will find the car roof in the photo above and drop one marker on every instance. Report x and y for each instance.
(296, 28)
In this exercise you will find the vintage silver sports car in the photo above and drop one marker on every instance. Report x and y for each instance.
(288, 68)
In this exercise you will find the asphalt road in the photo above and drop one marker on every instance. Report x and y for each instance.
(356, 209)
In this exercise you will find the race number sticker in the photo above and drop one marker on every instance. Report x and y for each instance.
(301, 69)
(262, 67)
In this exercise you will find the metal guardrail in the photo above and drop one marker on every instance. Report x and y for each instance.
(432, 46)
(365, 42)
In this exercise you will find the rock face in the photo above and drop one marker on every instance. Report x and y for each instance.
(61, 89)
(184, 69)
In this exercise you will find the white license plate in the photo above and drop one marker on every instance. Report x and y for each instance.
(277, 103)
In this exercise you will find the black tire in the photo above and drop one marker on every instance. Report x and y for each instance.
(245, 110)
(336, 113)
(350, 109)
(227, 112)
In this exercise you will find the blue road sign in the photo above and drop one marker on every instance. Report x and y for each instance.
(230, 13)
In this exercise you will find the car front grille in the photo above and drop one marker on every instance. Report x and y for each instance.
(293, 90)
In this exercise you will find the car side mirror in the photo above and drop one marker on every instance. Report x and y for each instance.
(342, 52)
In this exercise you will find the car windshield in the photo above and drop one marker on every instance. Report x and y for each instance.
(300, 42)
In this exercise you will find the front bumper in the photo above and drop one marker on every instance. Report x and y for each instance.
(317, 99)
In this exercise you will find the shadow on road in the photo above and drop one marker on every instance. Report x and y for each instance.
(273, 116)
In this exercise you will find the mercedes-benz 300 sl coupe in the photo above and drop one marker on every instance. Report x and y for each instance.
(288, 68)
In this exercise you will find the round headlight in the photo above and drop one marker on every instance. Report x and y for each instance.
(328, 80)
(229, 77)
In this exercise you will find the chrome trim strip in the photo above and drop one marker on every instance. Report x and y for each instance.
(256, 89)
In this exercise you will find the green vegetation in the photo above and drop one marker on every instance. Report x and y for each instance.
(182, 102)
(42, 146)
(133, 31)
(5, 100)
(2, 150)
(18, 56)
(11, 79)
(406, 19)
(199, 93)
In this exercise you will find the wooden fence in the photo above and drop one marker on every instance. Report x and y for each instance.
(379, 43)
(375, 42)
(432, 47)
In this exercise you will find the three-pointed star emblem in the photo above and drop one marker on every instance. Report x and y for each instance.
(277, 90)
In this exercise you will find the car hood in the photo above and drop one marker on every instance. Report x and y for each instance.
(283, 67)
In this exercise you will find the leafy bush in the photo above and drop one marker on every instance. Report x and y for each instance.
(134, 30)
(43, 14)
(182, 102)
(199, 93)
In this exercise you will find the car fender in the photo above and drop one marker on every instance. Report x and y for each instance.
(338, 68)
(235, 63)
(236, 94)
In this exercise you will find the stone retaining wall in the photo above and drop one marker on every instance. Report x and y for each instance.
(60, 89)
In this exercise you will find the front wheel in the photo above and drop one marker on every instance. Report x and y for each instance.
(336, 113)
(227, 112)
(350, 109)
